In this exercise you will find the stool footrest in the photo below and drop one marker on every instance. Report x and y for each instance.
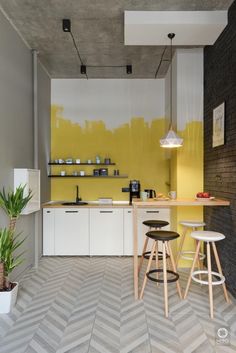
(184, 255)
(171, 280)
(147, 255)
(204, 272)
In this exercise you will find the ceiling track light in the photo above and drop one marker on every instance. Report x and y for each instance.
(129, 69)
(171, 139)
(66, 25)
(83, 70)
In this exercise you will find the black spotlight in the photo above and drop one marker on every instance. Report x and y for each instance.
(129, 69)
(83, 70)
(66, 25)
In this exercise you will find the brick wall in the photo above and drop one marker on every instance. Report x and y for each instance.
(220, 162)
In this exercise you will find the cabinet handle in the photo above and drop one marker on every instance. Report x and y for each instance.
(152, 211)
(71, 211)
(48, 211)
(106, 211)
(129, 211)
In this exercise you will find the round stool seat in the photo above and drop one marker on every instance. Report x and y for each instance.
(163, 235)
(207, 235)
(155, 223)
(192, 224)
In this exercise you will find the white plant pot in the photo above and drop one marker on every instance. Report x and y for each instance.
(8, 299)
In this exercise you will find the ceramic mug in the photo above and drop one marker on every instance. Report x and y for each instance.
(172, 195)
(63, 173)
(82, 173)
(144, 195)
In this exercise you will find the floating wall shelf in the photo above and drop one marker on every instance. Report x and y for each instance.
(89, 176)
(78, 164)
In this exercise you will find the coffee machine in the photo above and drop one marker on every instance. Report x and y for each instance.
(134, 190)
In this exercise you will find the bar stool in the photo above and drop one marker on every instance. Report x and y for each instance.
(164, 236)
(188, 254)
(156, 224)
(210, 238)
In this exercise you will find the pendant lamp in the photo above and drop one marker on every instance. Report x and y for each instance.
(171, 139)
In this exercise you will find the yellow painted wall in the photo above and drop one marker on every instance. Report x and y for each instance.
(133, 146)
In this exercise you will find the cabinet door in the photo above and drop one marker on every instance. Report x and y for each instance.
(128, 232)
(145, 214)
(106, 231)
(72, 231)
(48, 231)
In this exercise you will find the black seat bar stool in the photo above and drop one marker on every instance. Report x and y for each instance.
(157, 225)
(165, 237)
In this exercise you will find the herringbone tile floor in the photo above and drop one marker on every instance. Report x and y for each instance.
(86, 305)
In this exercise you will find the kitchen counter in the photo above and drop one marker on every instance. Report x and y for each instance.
(58, 204)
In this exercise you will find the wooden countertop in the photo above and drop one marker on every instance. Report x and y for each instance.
(181, 202)
(89, 205)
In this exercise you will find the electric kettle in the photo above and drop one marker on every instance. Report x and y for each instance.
(150, 193)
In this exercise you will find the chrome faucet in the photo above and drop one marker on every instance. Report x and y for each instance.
(77, 199)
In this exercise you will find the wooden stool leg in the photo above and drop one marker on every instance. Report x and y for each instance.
(174, 269)
(198, 260)
(220, 271)
(181, 245)
(148, 269)
(165, 279)
(144, 249)
(157, 261)
(168, 261)
(192, 268)
(210, 279)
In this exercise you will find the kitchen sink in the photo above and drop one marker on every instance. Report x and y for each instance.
(80, 203)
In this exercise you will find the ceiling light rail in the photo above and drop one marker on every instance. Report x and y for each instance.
(66, 26)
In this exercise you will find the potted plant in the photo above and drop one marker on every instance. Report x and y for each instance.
(8, 290)
(13, 203)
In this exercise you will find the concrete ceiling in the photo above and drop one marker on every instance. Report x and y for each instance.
(98, 28)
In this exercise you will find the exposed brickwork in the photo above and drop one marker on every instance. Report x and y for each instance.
(220, 162)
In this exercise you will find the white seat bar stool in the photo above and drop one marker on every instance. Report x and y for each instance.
(209, 237)
(187, 254)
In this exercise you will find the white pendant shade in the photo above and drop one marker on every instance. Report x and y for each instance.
(171, 140)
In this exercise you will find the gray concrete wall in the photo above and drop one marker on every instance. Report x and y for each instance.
(16, 126)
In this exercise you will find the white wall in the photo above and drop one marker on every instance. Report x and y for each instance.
(113, 101)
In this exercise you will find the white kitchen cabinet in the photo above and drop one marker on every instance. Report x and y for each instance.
(48, 231)
(30, 178)
(143, 215)
(106, 231)
(72, 231)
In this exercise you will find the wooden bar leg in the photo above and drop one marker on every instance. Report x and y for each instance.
(181, 245)
(220, 271)
(210, 279)
(165, 279)
(135, 250)
(144, 250)
(192, 268)
(174, 269)
(157, 262)
(148, 269)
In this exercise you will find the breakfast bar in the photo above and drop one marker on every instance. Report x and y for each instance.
(159, 204)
